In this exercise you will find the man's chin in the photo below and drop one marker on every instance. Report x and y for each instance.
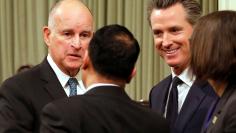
(74, 67)
(171, 63)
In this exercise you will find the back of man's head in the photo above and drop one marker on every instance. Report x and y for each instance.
(191, 7)
(113, 52)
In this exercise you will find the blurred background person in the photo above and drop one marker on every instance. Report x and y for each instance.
(24, 68)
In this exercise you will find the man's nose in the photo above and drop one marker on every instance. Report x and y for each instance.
(166, 40)
(75, 42)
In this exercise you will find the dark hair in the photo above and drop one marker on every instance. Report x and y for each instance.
(192, 8)
(113, 52)
(24, 68)
(213, 46)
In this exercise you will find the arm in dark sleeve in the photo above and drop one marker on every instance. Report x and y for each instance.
(15, 115)
(230, 118)
(53, 120)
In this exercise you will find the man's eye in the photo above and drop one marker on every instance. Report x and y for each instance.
(175, 29)
(67, 34)
(158, 33)
(85, 35)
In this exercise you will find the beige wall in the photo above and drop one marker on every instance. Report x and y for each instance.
(227, 4)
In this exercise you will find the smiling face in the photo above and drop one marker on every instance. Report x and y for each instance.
(69, 35)
(171, 32)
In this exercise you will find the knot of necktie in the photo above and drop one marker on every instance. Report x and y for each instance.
(176, 81)
(72, 82)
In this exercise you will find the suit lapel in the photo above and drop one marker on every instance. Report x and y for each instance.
(196, 95)
(230, 90)
(164, 93)
(55, 90)
(52, 84)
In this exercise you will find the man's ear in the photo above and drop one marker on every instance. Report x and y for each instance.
(85, 60)
(131, 75)
(46, 33)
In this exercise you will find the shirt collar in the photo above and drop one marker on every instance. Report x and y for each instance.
(62, 77)
(186, 76)
(99, 84)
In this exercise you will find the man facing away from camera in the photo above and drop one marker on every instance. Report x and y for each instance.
(105, 108)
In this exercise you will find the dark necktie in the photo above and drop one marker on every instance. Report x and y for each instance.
(72, 82)
(172, 108)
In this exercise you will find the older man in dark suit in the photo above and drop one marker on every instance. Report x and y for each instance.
(105, 108)
(69, 30)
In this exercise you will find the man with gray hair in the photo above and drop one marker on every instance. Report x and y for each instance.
(22, 97)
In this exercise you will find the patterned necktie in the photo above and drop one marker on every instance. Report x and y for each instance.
(72, 82)
(172, 108)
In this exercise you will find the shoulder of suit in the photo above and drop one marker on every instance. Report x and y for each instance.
(20, 80)
(164, 81)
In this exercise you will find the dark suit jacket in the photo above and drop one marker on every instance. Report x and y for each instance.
(104, 109)
(224, 116)
(194, 109)
(23, 96)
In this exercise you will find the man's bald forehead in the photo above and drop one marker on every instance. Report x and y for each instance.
(65, 2)
(59, 4)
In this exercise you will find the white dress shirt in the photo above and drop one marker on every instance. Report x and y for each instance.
(188, 79)
(63, 78)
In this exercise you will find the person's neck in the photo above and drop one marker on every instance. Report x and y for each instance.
(96, 78)
(178, 70)
(218, 86)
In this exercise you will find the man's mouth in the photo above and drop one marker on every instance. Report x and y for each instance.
(171, 51)
(75, 55)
